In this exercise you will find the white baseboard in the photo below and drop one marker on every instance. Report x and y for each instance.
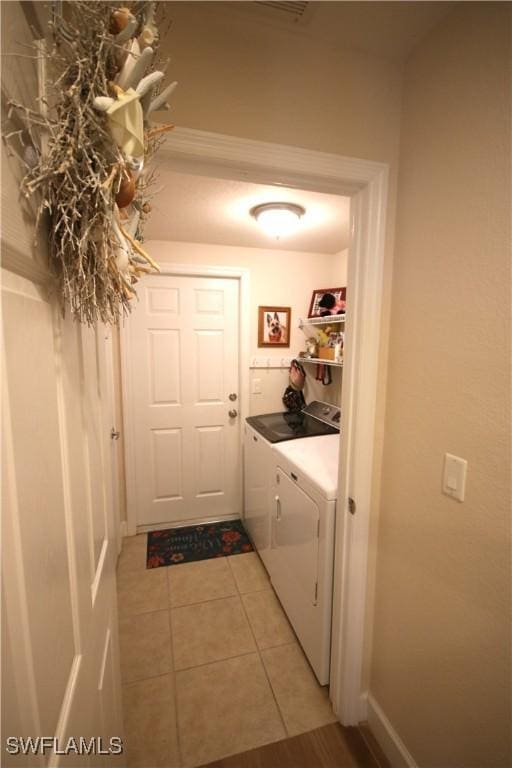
(123, 529)
(184, 523)
(363, 707)
(388, 739)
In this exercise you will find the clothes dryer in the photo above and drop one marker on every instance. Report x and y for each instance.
(262, 433)
(302, 541)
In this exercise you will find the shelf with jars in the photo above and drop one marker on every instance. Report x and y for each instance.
(326, 347)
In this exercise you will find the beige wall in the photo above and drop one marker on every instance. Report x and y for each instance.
(281, 278)
(441, 646)
(263, 82)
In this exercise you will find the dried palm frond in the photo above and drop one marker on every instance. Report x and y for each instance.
(78, 174)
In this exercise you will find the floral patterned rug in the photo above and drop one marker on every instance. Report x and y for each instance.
(196, 542)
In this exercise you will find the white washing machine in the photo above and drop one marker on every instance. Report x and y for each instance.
(262, 433)
(291, 472)
(302, 541)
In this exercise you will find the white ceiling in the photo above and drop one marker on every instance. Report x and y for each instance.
(200, 209)
(381, 28)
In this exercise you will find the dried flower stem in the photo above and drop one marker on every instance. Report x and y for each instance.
(78, 175)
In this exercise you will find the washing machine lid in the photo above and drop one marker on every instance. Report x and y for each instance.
(317, 418)
(316, 459)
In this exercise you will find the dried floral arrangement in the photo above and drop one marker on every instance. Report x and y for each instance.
(88, 152)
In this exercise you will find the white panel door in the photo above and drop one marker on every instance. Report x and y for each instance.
(59, 612)
(182, 353)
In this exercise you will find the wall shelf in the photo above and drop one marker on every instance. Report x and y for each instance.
(309, 321)
(320, 361)
(321, 320)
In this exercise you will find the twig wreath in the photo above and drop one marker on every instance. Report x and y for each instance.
(88, 149)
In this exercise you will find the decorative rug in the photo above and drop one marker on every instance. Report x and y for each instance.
(196, 542)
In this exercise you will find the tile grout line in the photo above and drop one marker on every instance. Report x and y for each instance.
(125, 572)
(217, 661)
(258, 650)
(142, 679)
(238, 594)
(222, 597)
(202, 602)
(170, 672)
(173, 673)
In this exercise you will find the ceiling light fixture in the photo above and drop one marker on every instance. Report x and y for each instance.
(278, 219)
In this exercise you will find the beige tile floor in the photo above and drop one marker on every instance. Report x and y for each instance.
(209, 663)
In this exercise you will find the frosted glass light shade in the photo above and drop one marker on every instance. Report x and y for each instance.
(278, 219)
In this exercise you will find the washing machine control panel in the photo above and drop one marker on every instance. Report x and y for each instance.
(330, 414)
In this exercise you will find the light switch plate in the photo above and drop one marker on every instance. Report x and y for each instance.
(256, 386)
(454, 476)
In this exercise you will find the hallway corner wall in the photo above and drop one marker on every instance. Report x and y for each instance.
(440, 661)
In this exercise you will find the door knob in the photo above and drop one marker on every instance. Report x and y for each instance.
(232, 397)
(233, 413)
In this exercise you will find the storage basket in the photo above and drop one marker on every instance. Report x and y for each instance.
(326, 353)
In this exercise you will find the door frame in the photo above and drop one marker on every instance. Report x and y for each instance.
(185, 270)
(366, 182)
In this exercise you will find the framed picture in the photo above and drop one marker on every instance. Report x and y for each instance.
(327, 301)
(274, 326)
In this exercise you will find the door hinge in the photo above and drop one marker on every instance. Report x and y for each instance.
(351, 505)
(318, 528)
(316, 593)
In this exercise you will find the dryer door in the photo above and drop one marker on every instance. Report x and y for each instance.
(295, 544)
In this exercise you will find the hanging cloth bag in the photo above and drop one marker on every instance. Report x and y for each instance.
(293, 399)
